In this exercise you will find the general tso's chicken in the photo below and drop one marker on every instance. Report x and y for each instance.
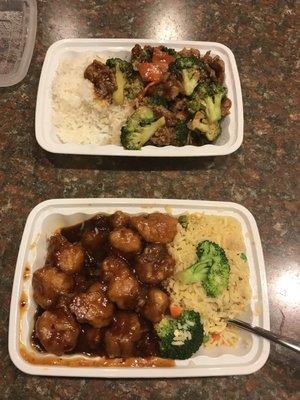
(156, 305)
(71, 258)
(82, 283)
(55, 244)
(92, 239)
(103, 79)
(122, 335)
(125, 240)
(111, 267)
(57, 331)
(119, 219)
(148, 344)
(93, 307)
(95, 232)
(125, 291)
(155, 227)
(67, 256)
(155, 264)
(123, 287)
(91, 338)
(48, 283)
(64, 301)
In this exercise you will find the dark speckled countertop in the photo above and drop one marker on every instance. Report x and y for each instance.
(261, 175)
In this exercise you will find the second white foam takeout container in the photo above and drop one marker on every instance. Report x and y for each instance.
(232, 126)
(251, 352)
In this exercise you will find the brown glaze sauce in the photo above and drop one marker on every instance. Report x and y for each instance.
(86, 361)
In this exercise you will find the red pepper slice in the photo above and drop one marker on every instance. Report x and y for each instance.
(153, 72)
(150, 72)
(160, 56)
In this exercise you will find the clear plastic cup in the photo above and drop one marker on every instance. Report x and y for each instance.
(18, 20)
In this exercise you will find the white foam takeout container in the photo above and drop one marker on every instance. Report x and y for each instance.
(232, 126)
(251, 352)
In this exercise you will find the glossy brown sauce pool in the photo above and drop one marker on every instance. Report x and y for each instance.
(85, 361)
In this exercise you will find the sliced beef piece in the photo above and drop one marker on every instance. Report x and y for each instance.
(225, 107)
(215, 67)
(218, 66)
(161, 111)
(179, 108)
(141, 54)
(163, 136)
(172, 87)
(189, 53)
(103, 79)
(169, 88)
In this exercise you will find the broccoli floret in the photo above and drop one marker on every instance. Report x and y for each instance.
(200, 124)
(123, 65)
(139, 128)
(139, 54)
(182, 133)
(211, 269)
(180, 338)
(118, 94)
(168, 50)
(128, 83)
(192, 72)
(155, 100)
(208, 97)
(133, 87)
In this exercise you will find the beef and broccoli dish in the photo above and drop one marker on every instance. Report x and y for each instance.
(174, 97)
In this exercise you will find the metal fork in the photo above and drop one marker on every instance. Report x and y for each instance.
(291, 344)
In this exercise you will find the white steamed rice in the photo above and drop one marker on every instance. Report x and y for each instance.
(78, 115)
